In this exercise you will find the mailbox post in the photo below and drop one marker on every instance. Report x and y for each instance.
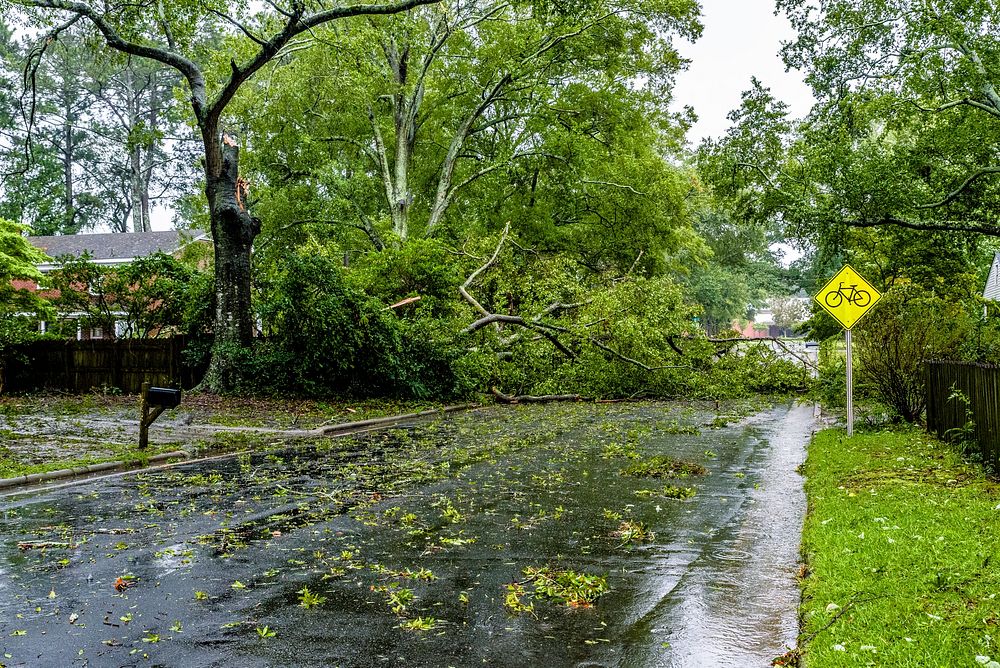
(155, 400)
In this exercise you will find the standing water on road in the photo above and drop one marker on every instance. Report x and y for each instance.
(631, 535)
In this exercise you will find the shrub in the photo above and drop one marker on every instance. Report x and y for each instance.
(419, 267)
(906, 328)
(324, 337)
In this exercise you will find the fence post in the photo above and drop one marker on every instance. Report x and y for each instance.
(929, 388)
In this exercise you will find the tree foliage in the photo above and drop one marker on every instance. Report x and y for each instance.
(19, 305)
(150, 297)
(450, 195)
(450, 121)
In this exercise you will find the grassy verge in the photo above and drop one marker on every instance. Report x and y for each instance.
(40, 433)
(902, 543)
(12, 465)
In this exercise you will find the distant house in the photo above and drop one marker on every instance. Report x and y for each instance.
(992, 290)
(777, 318)
(106, 250)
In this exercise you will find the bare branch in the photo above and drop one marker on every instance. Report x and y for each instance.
(987, 229)
(618, 355)
(541, 328)
(242, 28)
(768, 339)
(957, 103)
(184, 65)
(954, 194)
(278, 9)
(616, 185)
(529, 399)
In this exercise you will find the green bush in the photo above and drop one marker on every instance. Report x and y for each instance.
(904, 330)
(324, 337)
(420, 267)
(831, 384)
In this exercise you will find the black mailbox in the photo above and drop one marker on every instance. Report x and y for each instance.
(163, 396)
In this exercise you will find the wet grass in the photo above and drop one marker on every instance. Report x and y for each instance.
(212, 409)
(13, 465)
(43, 433)
(902, 554)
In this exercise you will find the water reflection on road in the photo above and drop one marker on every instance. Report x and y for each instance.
(734, 604)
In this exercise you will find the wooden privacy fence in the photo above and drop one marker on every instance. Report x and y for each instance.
(979, 384)
(80, 366)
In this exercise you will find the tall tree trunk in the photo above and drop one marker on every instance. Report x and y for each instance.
(149, 151)
(135, 187)
(401, 166)
(233, 233)
(67, 162)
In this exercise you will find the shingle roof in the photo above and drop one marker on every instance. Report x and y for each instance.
(114, 246)
(992, 289)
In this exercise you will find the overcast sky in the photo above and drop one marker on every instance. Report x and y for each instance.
(741, 39)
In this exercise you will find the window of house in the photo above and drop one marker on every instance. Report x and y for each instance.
(96, 333)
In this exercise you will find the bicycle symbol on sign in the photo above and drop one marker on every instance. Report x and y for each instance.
(859, 298)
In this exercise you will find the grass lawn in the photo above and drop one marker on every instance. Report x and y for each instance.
(902, 545)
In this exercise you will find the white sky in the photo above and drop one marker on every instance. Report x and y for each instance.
(741, 39)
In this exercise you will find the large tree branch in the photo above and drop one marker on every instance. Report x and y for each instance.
(954, 194)
(945, 226)
(445, 191)
(381, 157)
(530, 399)
(464, 288)
(986, 88)
(541, 328)
(296, 24)
(965, 101)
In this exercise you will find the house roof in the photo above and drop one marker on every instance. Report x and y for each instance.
(114, 247)
(992, 289)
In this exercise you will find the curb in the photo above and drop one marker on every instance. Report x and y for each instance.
(85, 470)
(49, 476)
(391, 419)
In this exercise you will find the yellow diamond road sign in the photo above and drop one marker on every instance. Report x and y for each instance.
(848, 297)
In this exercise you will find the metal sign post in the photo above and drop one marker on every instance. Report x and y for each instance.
(848, 297)
(850, 385)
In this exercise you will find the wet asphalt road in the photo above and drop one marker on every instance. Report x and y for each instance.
(430, 523)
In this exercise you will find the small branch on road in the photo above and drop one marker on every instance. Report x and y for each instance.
(529, 399)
